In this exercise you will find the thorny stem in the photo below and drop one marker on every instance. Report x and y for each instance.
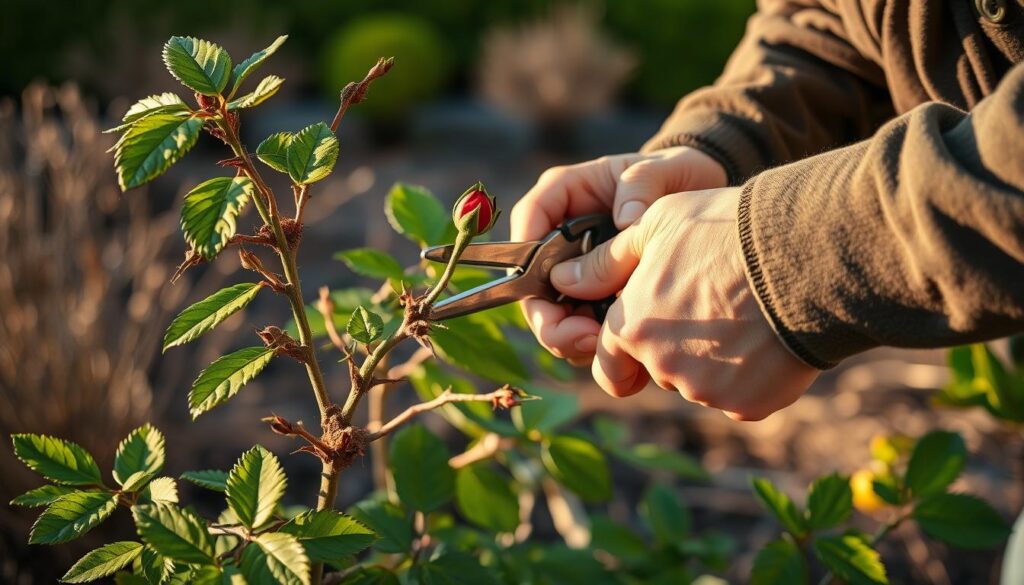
(267, 207)
(268, 211)
(445, 397)
(365, 378)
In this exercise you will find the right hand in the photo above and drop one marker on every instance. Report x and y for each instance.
(623, 185)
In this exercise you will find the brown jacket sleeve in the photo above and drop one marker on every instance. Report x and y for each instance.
(913, 238)
(794, 87)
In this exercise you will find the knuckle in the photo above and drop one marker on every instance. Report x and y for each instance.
(634, 331)
(638, 170)
(554, 174)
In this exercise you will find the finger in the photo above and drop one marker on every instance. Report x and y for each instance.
(569, 191)
(614, 369)
(562, 333)
(646, 181)
(601, 272)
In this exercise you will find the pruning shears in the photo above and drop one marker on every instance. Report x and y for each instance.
(529, 267)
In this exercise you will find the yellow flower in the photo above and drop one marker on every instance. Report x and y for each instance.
(864, 497)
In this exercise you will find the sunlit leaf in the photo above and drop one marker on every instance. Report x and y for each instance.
(175, 533)
(311, 154)
(141, 451)
(365, 326)
(72, 516)
(829, 502)
(211, 479)
(276, 558)
(329, 536)
(780, 506)
(851, 559)
(274, 151)
(209, 215)
(57, 460)
(102, 562)
(200, 65)
(936, 461)
(252, 63)
(225, 377)
(203, 316)
(42, 496)
(415, 213)
(255, 486)
(151, 145)
(263, 92)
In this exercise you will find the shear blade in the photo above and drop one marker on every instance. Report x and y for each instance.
(492, 254)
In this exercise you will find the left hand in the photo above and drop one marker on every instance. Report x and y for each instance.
(686, 317)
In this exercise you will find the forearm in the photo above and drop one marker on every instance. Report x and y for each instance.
(913, 238)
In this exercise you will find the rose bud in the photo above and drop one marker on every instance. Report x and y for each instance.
(475, 212)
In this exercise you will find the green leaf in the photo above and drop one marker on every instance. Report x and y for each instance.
(668, 519)
(780, 561)
(57, 460)
(203, 316)
(162, 490)
(452, 568)
(102, 562)
(961, 520)
(164, 103)
(175, 533)
(155, 567)
(618, 541)
(371, 576)
(151, 146)
(311, 154)
(211, 209)
(252, 63)
(1005, 393)
(142, 450)
(851, 559)
(419, 462)
(654, 457)
(200, 65)
(780, 506)
(415, 213)
(829, 502)
(610, 431)
(486, 499)
(225, 377)
(329, 536)
(389, 523)
(886, 488)
(276, 558)
(936, 461)
(263, 92)
(478, 345)
(255, 485)
(211, 479)
(553, 410)
(364, 326)
(72, 516)
(371, 263)
(274, 151)
(42, 496)
(136, 481)
(578, 465)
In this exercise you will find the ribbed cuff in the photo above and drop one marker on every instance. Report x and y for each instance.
(759, 284)
(719, 135)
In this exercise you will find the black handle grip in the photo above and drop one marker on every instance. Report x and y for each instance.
(599, 229)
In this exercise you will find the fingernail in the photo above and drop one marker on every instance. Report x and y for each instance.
(567, 273)
(631, 211)
(586, 344)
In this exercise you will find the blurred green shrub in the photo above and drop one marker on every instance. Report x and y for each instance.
(417, 46)
(682, 44)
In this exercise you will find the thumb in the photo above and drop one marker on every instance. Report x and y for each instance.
(601, 272)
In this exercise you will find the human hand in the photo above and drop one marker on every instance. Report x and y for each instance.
(624, 185)
(686, 317)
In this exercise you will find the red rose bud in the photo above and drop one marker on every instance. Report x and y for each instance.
(475, 212)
